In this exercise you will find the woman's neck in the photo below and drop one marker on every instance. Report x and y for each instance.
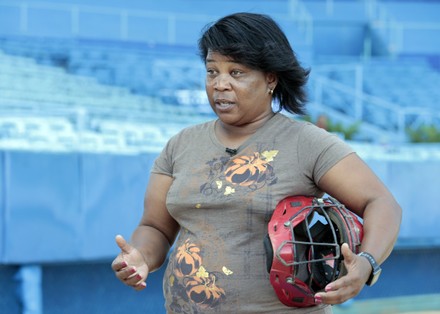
(233, 136)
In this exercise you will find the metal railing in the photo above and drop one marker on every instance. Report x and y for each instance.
(121, 18)
(393, 31)
(299, 13)
(375, 111)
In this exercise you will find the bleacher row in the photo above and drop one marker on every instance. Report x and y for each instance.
(388, 95)
(58, 134)
(148, 85)
(407, 83)
(45, 108)
(143, 69)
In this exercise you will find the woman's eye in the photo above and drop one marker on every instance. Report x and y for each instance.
(236, 72)
(210, 72)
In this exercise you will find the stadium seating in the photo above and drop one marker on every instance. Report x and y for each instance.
(47, 108)
(95, 66)
(390, 95)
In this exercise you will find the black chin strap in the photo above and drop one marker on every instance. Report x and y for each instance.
(269, 252)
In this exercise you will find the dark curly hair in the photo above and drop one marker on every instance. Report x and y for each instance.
(258, 42)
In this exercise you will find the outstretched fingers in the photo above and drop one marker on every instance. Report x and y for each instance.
(129, 266)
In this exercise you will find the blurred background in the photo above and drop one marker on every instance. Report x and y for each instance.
(90, 91)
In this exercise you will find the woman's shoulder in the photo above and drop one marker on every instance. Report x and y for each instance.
(191, 132)
(303, 125)
(303, 130)
(196, 129)
(293, 123)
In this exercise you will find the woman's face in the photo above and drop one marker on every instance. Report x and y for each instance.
(238, 94)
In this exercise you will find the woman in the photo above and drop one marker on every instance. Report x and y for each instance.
(215, 185)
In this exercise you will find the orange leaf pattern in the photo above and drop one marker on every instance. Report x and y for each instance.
(248, 172)
(189, 277)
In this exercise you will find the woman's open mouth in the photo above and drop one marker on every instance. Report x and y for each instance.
(224, 105)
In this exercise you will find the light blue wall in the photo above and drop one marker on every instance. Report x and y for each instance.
(68, 207)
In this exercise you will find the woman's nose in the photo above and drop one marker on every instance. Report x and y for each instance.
(221, 82)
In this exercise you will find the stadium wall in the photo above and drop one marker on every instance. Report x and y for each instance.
(67, 207)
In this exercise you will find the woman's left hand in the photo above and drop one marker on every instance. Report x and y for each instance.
(348, 286)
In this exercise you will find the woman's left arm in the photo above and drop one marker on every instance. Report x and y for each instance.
(356, 186)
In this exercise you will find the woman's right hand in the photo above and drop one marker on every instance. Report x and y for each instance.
(130, 266)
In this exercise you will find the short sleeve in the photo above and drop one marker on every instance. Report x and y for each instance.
(164, 162)
(319, 151)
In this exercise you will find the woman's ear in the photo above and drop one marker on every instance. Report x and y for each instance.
(272, 80)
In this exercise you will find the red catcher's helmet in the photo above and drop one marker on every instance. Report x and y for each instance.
(303, 246)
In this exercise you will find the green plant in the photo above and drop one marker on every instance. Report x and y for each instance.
(349, 131)
(424, 133)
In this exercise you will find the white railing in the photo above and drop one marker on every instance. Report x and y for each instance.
(394, 31)
(121, 17)
(373, 110)
(299, 13)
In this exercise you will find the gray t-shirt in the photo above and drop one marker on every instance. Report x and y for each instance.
(223, 204)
